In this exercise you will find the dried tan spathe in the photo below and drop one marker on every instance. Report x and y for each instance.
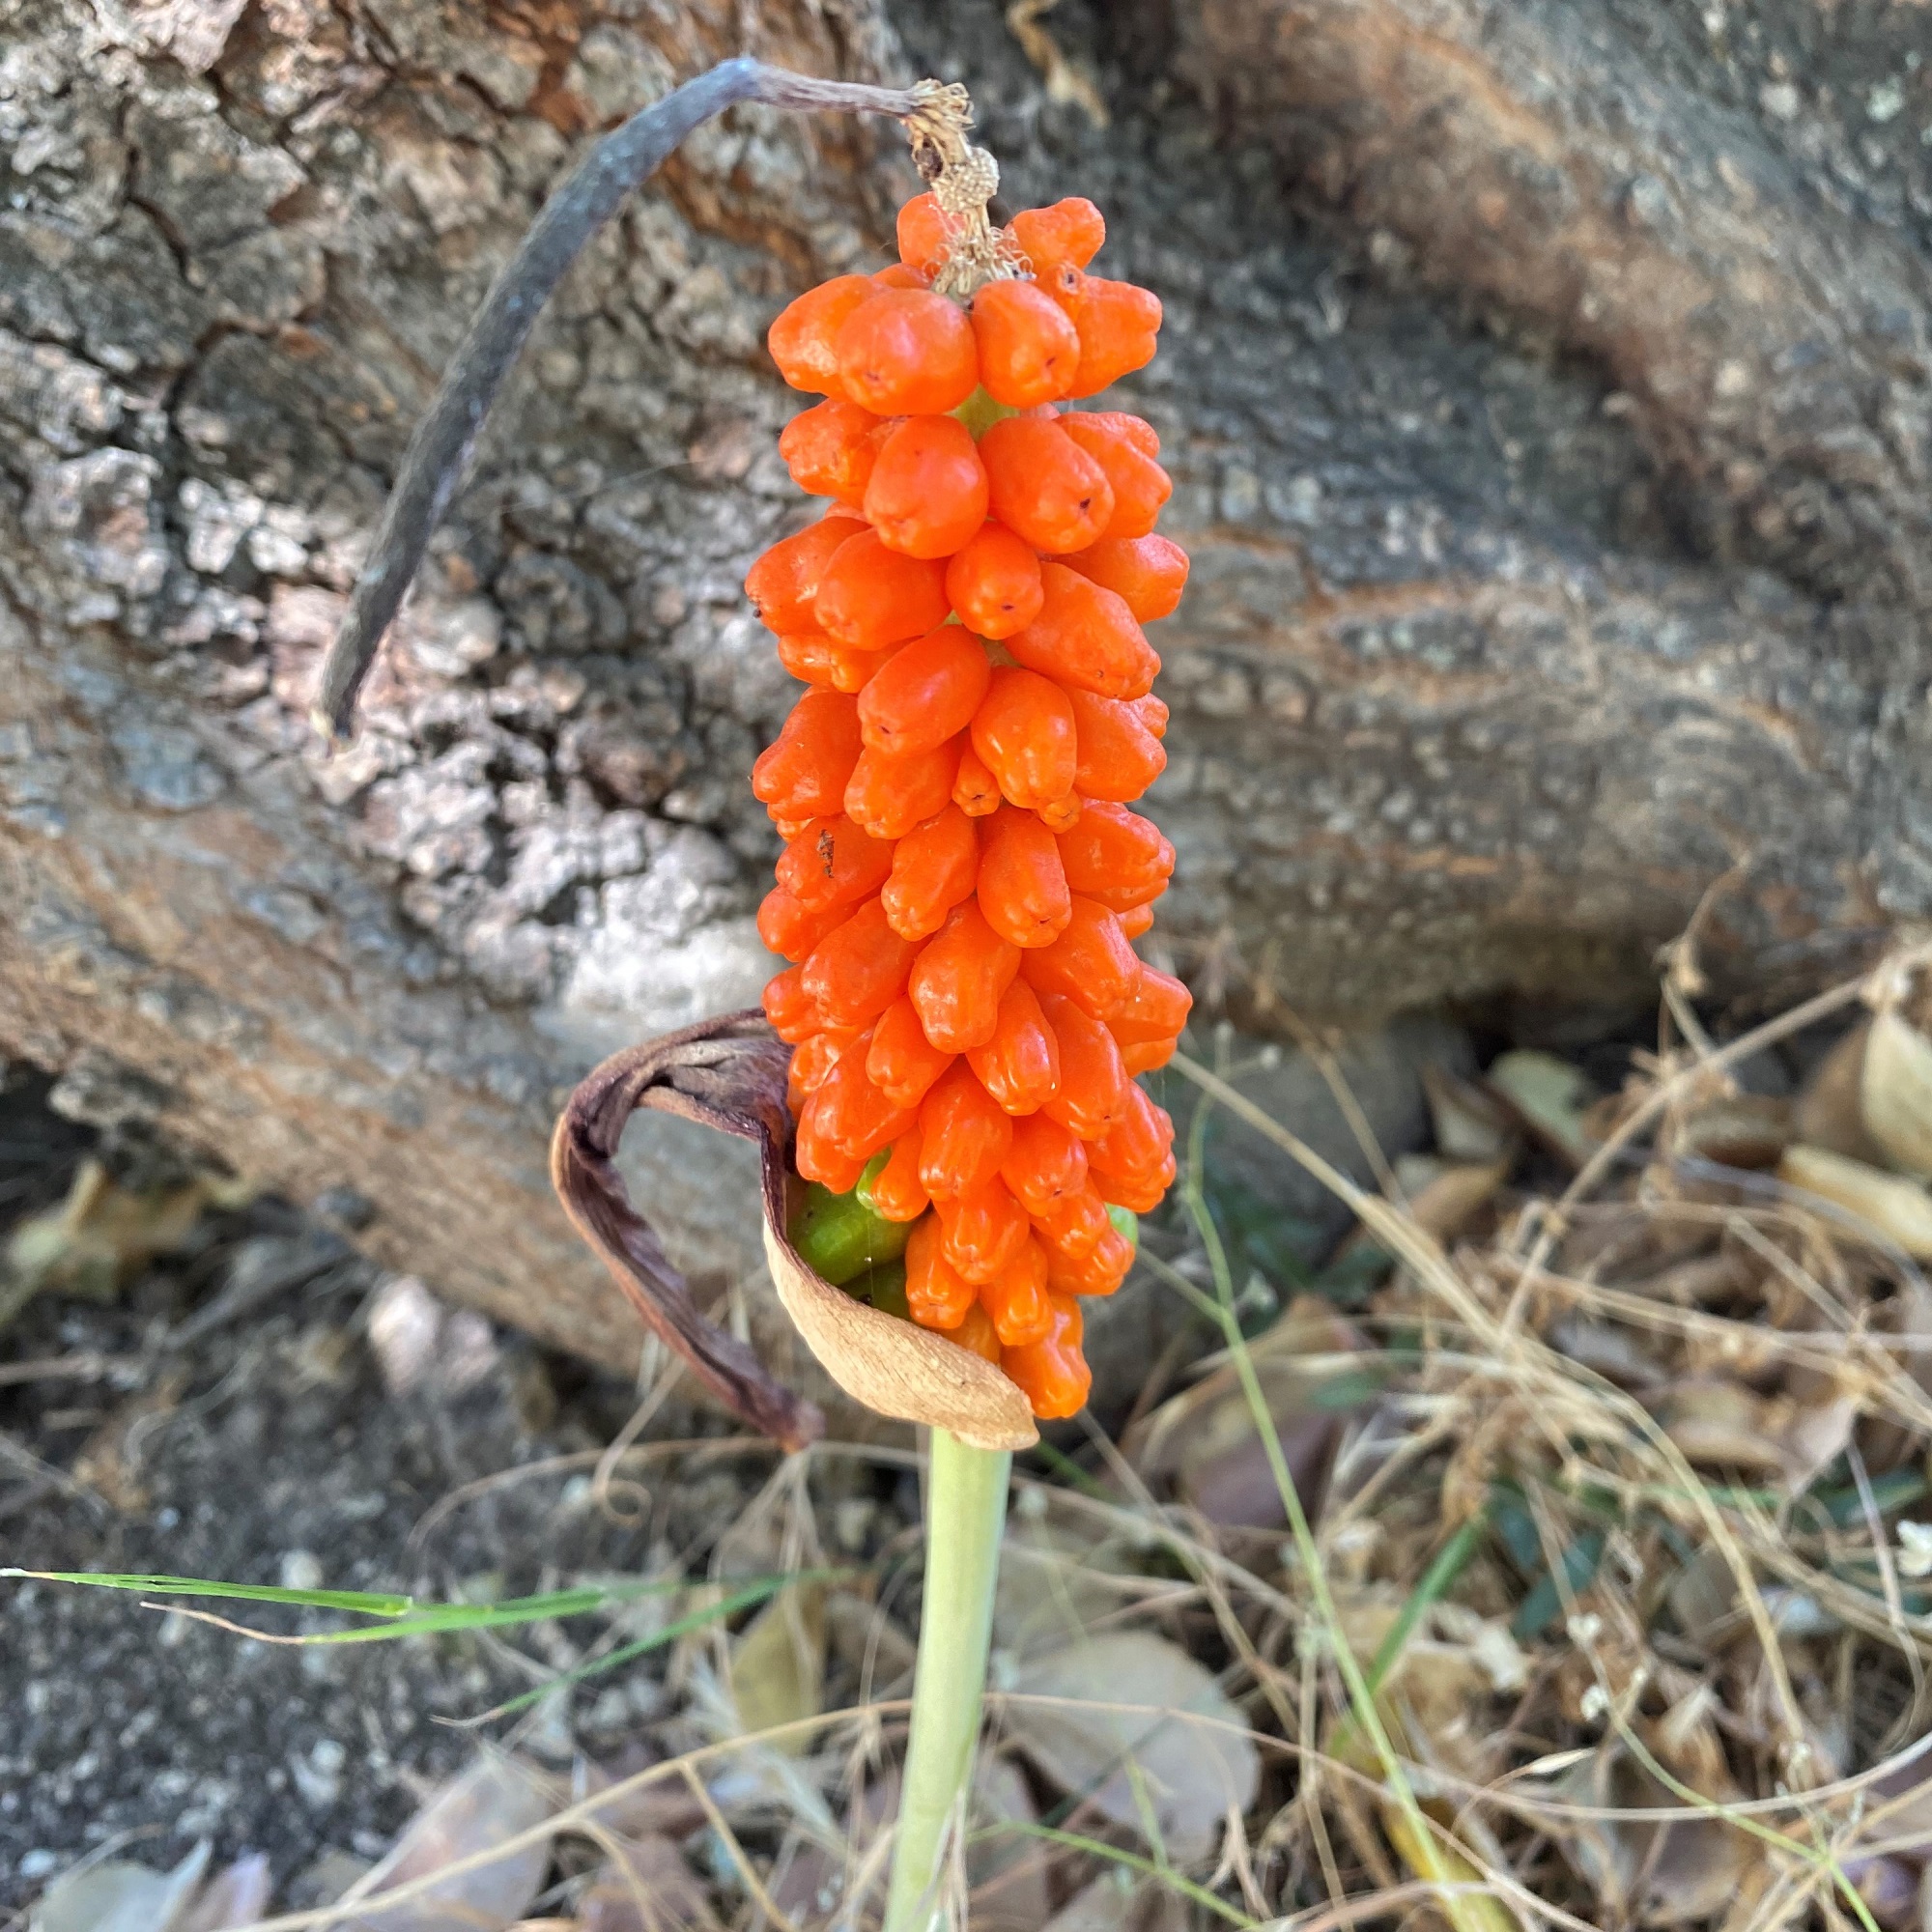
(729, 1073)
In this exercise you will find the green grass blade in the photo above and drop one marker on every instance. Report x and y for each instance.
(359, 1603)
(406, 1617)
(752, 1594)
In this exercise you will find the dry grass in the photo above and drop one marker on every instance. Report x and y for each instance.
(1570, 1578)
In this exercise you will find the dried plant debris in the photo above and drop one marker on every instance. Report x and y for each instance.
(1558, 1551)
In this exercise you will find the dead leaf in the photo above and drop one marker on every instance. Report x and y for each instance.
(1895, 1208)
(1453, 1197)
(778, 1666)
(1207, 1437)
(1471, 1124)
(1117, 1901)
(1005, 1871)
(492, 1802)
(1737, 1130)
(648, 1888)
(1895, 1093)
(120, 1896)
(104, 1234)
(1549, 1095)
(1829, 1113)
(1115, 1732)
(234, 1898)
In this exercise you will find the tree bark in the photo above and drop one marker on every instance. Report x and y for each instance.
(1546, 391)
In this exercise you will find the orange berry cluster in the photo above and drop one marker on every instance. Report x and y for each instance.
(963, 878)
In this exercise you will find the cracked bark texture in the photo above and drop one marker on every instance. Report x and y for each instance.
(1546, 389)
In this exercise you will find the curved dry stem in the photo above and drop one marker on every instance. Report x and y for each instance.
(439, 452)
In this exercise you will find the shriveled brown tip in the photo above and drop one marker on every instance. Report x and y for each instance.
(729, 1073)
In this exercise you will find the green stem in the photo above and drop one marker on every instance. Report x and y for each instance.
(965, 1510)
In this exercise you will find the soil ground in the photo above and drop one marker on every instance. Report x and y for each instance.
(264, 1447)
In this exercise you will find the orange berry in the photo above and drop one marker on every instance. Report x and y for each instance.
(898, 1192)
(811, 1061)
(789, 1008)
(1115, 856)
(850, 1112)
(889, 796)
(1076, 1224)
(976, 791)
(958, 978)
(1029, 347)
(783, 582)
(871, 596)
(1093, 1082)
(934, 867)
(831, 448)
(1016, 1298)
(937, 1294)
(1019, 1066)
(1089, 962)
(925, 235)
(794, 930)
(801, 340)
(1160, 1005)
(925, 691)
(1024, 731)
(1022, 886)
(898, 275)
(982, 1232)
(1098, 1271)
(1051, 1372)
(1143, 1193)
(1065, 287)
(994, 582)
(975, 1331)
(1152, 712)
(1047, 1166)
(832, 862)
(816, 1158)
(927, 493)
(1119, 757)
(902, 1062)
(856, 970)
(963, 1134)
(1137, 1146)
(1072, 230)
(1140, 485)
(803, 773)
(1147, 574)
(909, 353)
(1043, 486)
(1084, 638)
(1134, 921)
(1117, 323)
(814, 658)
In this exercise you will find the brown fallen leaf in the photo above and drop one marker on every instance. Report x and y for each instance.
(646, 1888)
(1126, 1724)
(493, 1801)
(1895, 1093)
(1829, 1111)
(1890, 1206)
(778, 1666)
(1549, 1098)
(1007, 1871)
